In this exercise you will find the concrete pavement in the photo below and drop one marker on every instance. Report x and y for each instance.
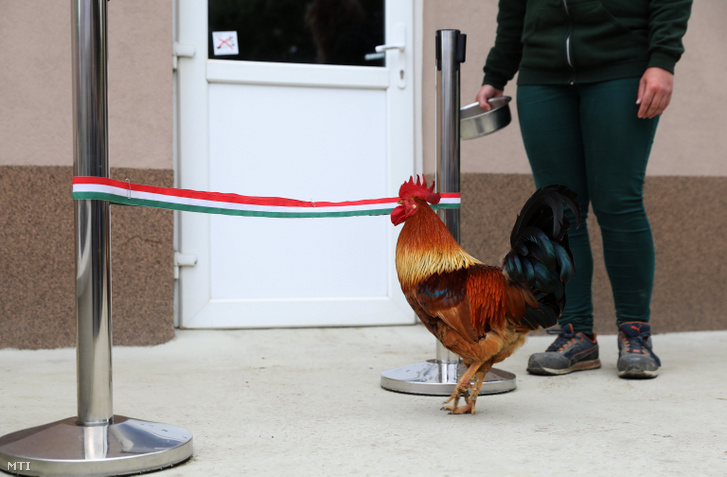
(308, 402)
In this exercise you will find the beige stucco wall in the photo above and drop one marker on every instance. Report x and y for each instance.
(35, 88)
(36, 83)
(689, 142)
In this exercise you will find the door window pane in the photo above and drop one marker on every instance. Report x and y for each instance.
(341, 32)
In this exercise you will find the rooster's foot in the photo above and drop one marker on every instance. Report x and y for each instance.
(469, 406)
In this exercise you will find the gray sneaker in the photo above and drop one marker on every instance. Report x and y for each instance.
(569, 352)
(636, 359)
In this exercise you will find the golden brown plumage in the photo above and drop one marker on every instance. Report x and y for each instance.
(478, 311)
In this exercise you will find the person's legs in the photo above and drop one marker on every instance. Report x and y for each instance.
(589, 138)
(551, 130)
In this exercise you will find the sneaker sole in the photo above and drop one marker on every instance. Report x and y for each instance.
(638, 374)
(582, 366)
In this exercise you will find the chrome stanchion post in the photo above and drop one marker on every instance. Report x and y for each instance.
(450, 50)
(439, 376)
(96, 442)
(93, 220)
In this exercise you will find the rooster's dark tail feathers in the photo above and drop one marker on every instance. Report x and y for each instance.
(540, 257)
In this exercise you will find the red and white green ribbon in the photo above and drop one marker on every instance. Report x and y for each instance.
(127, 193)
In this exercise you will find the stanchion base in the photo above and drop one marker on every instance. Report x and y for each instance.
(439, 378)
(127, 446)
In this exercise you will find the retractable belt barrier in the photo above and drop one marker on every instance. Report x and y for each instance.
(98, 442)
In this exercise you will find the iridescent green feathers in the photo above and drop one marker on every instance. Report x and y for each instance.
(540, 257)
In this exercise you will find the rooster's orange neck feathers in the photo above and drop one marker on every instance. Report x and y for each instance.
(416, 256)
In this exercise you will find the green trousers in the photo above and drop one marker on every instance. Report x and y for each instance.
(589, 138)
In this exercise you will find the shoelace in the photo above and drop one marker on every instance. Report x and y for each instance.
(563, 338)
(636, 344)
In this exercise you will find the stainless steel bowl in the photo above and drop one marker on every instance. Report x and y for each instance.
(476, 122)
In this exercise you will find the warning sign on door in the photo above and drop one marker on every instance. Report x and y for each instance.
(224, 43)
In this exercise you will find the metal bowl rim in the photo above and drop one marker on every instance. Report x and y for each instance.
(504, 100)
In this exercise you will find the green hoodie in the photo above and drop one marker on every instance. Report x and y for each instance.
(584, 41)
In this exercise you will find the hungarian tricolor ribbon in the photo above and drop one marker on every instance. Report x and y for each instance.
(128, 193)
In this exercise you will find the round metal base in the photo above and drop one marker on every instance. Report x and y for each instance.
(439, 378)
(127, 446)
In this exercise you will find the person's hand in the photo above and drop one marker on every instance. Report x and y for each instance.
(486, 92)
(654, 92)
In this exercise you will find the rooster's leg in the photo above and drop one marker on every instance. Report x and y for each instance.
(464, 387)
(479, 378)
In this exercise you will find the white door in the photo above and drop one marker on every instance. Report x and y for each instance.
(290, 126)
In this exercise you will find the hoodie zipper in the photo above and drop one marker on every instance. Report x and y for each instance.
(568, 41)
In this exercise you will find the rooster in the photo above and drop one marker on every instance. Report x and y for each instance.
(482, 312)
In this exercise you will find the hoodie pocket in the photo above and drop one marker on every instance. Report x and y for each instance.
(544, 35)
(600, 39)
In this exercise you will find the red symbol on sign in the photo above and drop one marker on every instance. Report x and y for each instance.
(224, 41)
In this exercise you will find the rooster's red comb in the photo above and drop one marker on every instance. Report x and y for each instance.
(419, 190)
